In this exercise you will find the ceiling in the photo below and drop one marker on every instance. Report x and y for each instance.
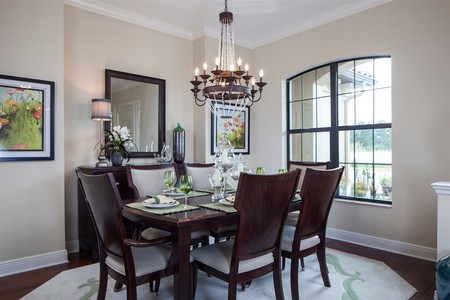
(256, 22)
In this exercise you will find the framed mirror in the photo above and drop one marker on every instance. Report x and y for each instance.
(138, 102)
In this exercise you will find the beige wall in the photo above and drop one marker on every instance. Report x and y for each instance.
(32, 192)
(415, 34)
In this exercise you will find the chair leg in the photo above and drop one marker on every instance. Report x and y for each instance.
(232, 290)
(205, 240)
(283, 263)
(103, 282)
(302, 263)
(245, 285)
(154, 288)
(194, 279)
(278, 284)
(117, 287)
(294, 278)
(323, 266)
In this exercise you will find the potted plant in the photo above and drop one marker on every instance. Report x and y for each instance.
(386, 185)
(119, 145)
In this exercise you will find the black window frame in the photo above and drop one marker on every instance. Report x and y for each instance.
(334, 129)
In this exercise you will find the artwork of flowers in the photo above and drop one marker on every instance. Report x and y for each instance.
(25, 129)
(235, 130)
(236, 127)
(20, 119)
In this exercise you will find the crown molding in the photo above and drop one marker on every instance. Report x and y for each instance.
(317, 21)
(108, 10)
(123, 15)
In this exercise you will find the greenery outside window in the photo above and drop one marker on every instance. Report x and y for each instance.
(341, 112)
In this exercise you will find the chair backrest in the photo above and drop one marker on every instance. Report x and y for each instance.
(200, 174)
(318, 191)
(292, 165)
(105, 207)
(147, 179)
(262, 203)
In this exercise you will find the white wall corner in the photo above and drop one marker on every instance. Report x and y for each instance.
(442, 189)
(412, 250)
(34, 262)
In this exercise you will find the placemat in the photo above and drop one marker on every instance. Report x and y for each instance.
(220, 207)
(162, 211)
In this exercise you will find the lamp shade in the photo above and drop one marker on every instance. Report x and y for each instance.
(101, 109)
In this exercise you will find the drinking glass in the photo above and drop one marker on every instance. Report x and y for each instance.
(216, 179)
(169, 179)
(260, 171)
(185, 186)
(281, 171)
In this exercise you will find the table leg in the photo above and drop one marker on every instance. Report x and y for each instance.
(181, 246)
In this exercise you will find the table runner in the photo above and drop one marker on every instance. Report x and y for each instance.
(162, 211)
(220, 207)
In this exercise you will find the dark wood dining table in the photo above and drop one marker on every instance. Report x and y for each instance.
(181, 225)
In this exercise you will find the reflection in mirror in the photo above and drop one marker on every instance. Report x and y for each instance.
(138, 102)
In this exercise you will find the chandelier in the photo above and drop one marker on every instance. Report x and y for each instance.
(227, 85)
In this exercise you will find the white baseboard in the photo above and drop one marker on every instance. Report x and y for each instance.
(383, 244)
(34, 262)
(59, 257)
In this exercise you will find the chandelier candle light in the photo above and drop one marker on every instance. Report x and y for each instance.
(228, 85)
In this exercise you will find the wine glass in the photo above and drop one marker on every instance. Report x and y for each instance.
(170, 179)
(260, 171)
(185, 186)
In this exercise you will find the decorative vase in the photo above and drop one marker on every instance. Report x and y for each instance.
(443, 278)
(178, 144)
(116, 159)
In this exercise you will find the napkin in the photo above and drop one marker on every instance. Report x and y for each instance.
(174, 190)
(160, 199)
(230, 199)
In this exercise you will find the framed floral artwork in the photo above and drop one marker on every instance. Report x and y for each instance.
(26, 119)
(235, 122)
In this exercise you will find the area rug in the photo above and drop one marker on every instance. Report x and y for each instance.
(352, 277)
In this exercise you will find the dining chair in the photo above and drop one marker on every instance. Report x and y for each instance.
(200, 173)
(292, 165)
(292, 217)
(308, 237)
(262, 203)
(128, 261)
(148, 180)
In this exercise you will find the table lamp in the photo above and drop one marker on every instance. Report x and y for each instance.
(101, 111)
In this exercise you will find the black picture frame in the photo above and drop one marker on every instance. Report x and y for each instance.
(26, 119)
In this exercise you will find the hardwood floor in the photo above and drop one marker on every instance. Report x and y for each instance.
(419, 273)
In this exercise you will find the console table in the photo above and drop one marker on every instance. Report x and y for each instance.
(86, 233)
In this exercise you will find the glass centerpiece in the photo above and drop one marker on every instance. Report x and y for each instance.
(239, 167)
(224, 159)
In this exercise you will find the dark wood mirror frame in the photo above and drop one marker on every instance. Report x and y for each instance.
(161, 83)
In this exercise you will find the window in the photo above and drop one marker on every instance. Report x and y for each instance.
(341, 112)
